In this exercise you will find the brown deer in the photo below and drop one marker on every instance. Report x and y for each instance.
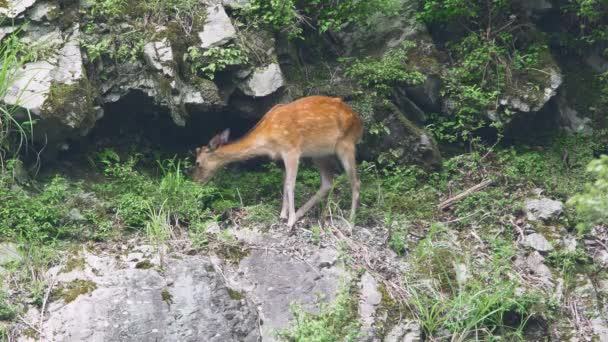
(317, 126)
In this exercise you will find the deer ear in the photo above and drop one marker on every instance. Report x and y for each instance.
(224, 136)
(219, 140)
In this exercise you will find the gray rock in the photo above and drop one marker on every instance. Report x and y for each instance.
(536, 264)
(218, 29)
(236, 3)
(543, 209)
(188, 302)
(159, 56)
(4, 31)
(406, 143)
(527, 100)
(75, 215)
(406, 331)
(42, 11)
(63, 70)
(601, 258)
(600, 328)
(263, 81)
(9, 253)
(274, 281)
(569, 243)
(327, 257)
(570, 119)
(538, 242)
(15, 8)
(369, 299)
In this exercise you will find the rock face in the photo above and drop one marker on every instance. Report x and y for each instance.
(126, 302)
(274, 281)
(403, 141)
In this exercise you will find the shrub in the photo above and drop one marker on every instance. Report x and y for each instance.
(591, 205)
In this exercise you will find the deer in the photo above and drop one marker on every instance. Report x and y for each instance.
(316, 127)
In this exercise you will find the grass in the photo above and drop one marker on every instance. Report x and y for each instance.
(13, 134)
(334, 322)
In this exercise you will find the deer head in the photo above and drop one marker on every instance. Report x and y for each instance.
(207, 163)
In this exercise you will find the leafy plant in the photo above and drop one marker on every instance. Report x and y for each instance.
(591, 205)
(215, 59)
(335, 322)
(382, 74)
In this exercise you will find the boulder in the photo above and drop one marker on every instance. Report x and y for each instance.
(538, 242)
(263, 81)
(570, 119)
(405, 331)
(159, 56)
(218, 29)
(387, 32)
(400, 140)
(9, 252)
(14, 8)
(55, 89)
(543, 209)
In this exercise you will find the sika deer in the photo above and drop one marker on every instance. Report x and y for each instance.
(317, 126)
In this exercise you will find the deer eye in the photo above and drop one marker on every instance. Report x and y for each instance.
(198, 163)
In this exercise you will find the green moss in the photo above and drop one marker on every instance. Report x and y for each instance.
(75, 262)
(232, 253)
(166, 296)
(234, 294)
(72, 104)
(144, 265)
(70, 291)
(31, 333)
(389, 308)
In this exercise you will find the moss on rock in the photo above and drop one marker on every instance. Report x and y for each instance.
(71, 104)
(70, 291)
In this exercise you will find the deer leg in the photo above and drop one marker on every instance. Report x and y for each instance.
(291, 173)
(324, 165)
(346, 154)
(285, 205)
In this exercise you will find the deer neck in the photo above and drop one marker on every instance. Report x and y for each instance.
(243, 149)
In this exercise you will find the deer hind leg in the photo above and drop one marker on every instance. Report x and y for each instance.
(324, 165)
(346, 154)
(291, 173)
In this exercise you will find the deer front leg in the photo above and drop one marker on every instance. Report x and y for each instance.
(285, 205)
(291, 172)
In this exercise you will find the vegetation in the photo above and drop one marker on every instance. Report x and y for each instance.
(383, 74)
(215, 59)
(294, 16)
(592, 204)
(335, 322)
(14, 134)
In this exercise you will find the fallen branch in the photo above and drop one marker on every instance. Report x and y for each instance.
(448, 203)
